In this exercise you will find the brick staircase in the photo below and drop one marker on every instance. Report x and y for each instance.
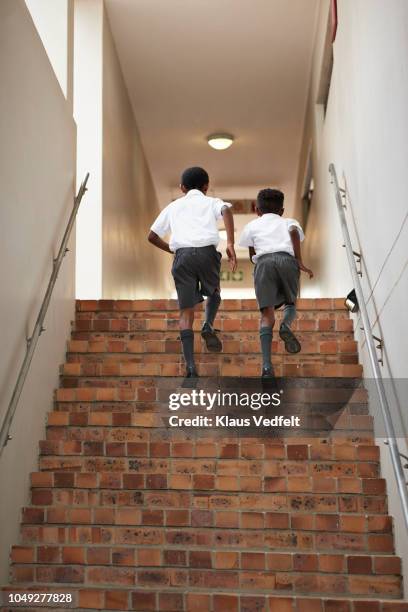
(137, 338)
(134, 516)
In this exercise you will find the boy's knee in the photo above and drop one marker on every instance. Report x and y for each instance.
(186, 318)
(268, 316)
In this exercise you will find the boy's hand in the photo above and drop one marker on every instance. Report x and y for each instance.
(232, 258)
(303, 268)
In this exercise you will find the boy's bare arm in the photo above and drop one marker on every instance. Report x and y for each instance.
(229, 228)
(295, 238)
(153, 238)
(251, 253)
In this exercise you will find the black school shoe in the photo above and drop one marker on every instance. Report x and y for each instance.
(268, 373)
(292, 344)
(213, 343)
(191, 372)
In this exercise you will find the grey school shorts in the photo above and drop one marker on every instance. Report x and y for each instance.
(276, 277)
(196, 272)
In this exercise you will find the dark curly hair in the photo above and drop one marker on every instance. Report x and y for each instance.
(270, 201)
(195, 178)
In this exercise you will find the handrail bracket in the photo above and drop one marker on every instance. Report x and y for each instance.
(358, 257)
(380, 347)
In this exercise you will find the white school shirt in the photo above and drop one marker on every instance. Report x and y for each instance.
(269, 234)
(192, 220)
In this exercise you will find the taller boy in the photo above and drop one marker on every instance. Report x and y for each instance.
(192, 222)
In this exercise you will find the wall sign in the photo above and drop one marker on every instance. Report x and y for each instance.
(235, 277)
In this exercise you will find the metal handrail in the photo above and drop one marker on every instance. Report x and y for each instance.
(385, 407)
(38, 327)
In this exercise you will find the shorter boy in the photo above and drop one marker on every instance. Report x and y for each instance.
(192, 221)
(274, 248)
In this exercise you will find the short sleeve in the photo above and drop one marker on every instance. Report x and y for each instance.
(218, 205)
(293, 224)
(161, 226)
(246, 239)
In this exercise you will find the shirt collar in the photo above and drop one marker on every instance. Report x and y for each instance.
(194, 192)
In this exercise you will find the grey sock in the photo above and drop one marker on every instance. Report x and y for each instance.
(211, 308)
(289, 314)
(187, 341)
(265, 335)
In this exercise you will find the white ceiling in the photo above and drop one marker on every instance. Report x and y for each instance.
(194, 67)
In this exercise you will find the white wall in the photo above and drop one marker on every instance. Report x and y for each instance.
(131, 267)
(52, 19)
(37, 173)
(113, 257)
(88, 53)
(365, 133)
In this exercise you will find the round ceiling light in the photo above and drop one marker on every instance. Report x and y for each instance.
(220, 142)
